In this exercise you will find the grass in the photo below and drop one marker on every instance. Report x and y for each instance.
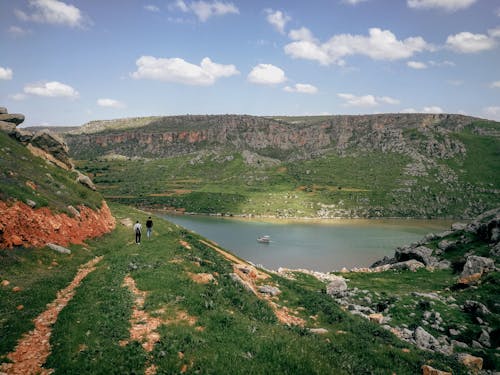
(240, 333)
(54, 187)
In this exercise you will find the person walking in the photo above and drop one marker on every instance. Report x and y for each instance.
(137, 230)
(149, 227)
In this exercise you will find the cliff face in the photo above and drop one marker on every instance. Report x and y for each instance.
(286, 138)
(21, 225)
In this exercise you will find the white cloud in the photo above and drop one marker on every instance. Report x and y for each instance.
(204, 10)
(378, 45)
(353, 2)
(278, 19)
(492, 112)
(53, 12)
(17, 31)
(366, 100)
(5, 73)
(408, 110)
(51, 89)
(432, 109)
(152, 8)
(416, 65)
(466, 42)
(455, 82)
(448, 5)
(495, 85)
(495, 33)
(302, 88)
(266, 74)
(441, 63)
(18, 97)
(111, 103)
(180, 71)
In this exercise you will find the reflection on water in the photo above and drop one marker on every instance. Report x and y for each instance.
(319, 246)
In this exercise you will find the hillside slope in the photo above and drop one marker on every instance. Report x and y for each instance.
(43, 199)
(404, 165)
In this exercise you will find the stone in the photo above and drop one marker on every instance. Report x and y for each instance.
(268, 289)
(446, 245)
(475, 265)
(240, 281)
(458, 226)
(454, 332)
(495, 250)
(429, 370)
(476, 345)
(475, 307)
(73, 211)
(16, 289)
(54, 145)
(336, 287)
(318, 331)
(459, 344)
(19, 307)
(421, 253)
(411, 265)
(484, 338)
(7, 127)
(85, 181)
(59, 249)
(5, 283)
(31, 203)
(23, 136)
(475, 364)
(424, 340)
(15, 118)
(16, 240)
(376, 318)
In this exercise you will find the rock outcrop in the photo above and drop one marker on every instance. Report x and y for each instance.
(21, 225)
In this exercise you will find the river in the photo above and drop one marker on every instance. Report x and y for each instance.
(323, 246)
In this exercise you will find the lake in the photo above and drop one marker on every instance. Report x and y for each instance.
(323, 246)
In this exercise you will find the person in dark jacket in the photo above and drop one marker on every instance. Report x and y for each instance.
(149, 227)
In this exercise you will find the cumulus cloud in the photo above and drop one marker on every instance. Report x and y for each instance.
(416, 65)
(18, 97)
(178, 70)
(495, 85)
(448, 5)
(51, 89)
(441, 63)
(17, 31)
(432, 109)
(110, 103)
(266, 74)
(5, 73)
(378, 45)
(302, 88)
(492, 112)
(495, 33)
(278, 19)
(53, 12)
(366, 100)
(466, 42)
(152, 8)
(204, 10)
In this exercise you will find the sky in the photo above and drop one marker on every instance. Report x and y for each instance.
(69, 62)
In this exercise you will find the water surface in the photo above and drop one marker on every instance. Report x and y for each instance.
(324, 246)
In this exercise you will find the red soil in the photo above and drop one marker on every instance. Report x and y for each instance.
(21, 225)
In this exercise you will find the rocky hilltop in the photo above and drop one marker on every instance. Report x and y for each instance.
(43, 198)
(283, 138)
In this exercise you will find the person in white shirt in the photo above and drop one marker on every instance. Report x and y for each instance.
(137, 230)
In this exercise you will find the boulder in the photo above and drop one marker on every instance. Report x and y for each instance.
(475, 307)
(59, 249)
(475, 364)
(495, 250)
(268, 289)
(424, 340)
(15, 118)
(23, 136)
(31, 203)
(475, 265)
(447, 245)
(421, 253)
(458, 226)
(318, 331)
(85, 181)
(336, 287)
(376, 318)
(385, 260)
(7, 127)
(53, 145)
(411, 265)
(484, 338)
(429, 370)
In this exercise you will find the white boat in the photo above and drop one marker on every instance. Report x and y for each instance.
(264, 239)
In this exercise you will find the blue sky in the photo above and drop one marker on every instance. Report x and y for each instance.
(69, 62)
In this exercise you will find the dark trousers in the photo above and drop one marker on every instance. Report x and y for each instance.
(137, 237)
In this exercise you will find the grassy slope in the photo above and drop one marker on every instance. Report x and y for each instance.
(241, 334)
(55, 187)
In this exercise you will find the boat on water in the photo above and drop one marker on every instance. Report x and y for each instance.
(264, 239)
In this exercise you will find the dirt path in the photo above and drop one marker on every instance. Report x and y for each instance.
(33, 348)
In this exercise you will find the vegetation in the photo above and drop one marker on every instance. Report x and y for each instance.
(23, 177)
(234, 333)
